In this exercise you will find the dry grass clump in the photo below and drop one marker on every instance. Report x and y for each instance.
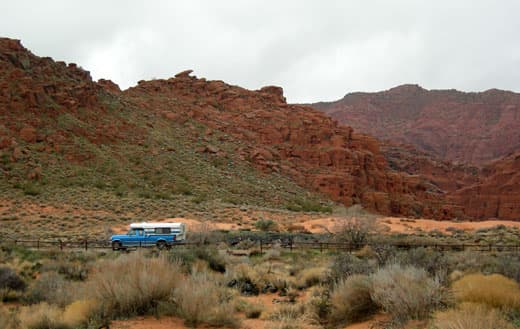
(79, 312)
(406, 292)
(291, 317)
(494, 290)
(46, 316)
(202, 298)
(311, 276)
(471, 316)
(351, 299)
(8, 319)
(42, 316)
(133, 284)
(251, 310)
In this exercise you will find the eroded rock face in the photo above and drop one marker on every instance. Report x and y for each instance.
(293, 140)
(496, 194)
(469, 128)
(45, 106)
(48, 102)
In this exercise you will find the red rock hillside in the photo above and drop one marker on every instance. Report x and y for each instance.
(497, 194)
(43, 104)
(471, 128)
(62, 133)
(296, 141)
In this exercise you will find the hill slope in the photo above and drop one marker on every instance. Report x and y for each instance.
(66, 138)
(469, 128)
(63, 136)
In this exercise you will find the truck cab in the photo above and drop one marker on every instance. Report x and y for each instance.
(161, 235)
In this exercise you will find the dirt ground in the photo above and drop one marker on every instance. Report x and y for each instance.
(332, 224)
(176, 323)
(403, 225)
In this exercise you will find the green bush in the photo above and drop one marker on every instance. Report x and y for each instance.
(265, 224)
(31, 189)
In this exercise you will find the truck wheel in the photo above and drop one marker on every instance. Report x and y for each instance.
(116, 245)
(161, 245)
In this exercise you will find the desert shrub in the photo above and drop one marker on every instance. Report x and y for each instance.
(251, 310)
(493, 290)
(509, 265)
(354, 230)
(351, 299)
(188, 256)
(50, 287)
(8, 319)
(384, 253)
(471, 316)
(31, 189)
(470, 261)
(318, 304)
(133, 284)
(310, 277)
(202, 298)
(433, 262)
(345, 265)
(221, 315)
(216, 262)
(244, 278)
(406, 292)
(9, 279)
(72, 270)
(287, 312)
(291, 317)
(265, 224)
(254, 311)
(42, 316)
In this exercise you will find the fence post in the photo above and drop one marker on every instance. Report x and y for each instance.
(291, 244)
(61, 244)
(261, 247)
(86, 245)
(38, 244)
(321, 248)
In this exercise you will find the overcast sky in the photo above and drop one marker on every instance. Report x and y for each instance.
(316, 50)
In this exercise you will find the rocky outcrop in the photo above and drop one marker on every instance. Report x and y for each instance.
(465, 128)
(50, 104)
(52, 114)
(496, 194)
(293, 140)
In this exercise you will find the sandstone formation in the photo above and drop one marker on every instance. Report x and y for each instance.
(497, 193)
(52, 116)
(296, 141)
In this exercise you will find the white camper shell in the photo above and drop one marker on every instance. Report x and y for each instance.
(179, 229)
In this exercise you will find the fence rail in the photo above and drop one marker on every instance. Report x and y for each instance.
(267, 244)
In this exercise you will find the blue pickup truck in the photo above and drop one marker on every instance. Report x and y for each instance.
(161, 235)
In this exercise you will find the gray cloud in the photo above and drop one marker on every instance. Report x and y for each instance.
(316, 50)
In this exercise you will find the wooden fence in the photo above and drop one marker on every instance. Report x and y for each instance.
(262, 245)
